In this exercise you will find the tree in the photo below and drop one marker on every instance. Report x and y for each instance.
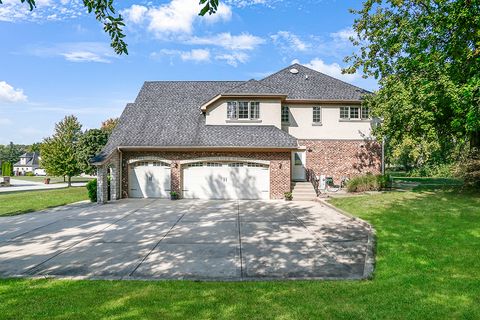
(11, 153)
(35, 147)
(59, 152)
(89, 145)
(7, 169)
(426, 55)
(113, 24)
(108, 125)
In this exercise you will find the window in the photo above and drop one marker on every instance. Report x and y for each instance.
(213, 164)
(243, 110)
(298, 160)
(354, 112)
(160, 164)
(254, 110)
(235, 164)
(255, 165)
(232, 110)
(285, 114)
(196, 164)
(317, 115)
(365, 113)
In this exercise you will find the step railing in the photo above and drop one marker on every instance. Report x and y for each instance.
(312, 178)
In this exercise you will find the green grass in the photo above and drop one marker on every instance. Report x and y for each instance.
(52, 179)
(428, 264)
(13, 203)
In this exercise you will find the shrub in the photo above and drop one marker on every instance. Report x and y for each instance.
(288, 196)
(469, 169)
(92, 190)
(7, 169)
(29, 174)
(435, 171)
(368, 182)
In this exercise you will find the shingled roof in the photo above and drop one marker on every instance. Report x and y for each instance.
(167, 113)
(308, 84)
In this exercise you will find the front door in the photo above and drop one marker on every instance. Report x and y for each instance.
(298, 166)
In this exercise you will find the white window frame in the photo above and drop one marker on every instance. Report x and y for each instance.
(317, 112)
(349, 113)
(253, 110)
(287, 108)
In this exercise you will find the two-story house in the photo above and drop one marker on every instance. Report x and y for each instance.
(28, 163)
(236, 139)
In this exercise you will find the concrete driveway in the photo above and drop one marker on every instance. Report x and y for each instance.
(187, 239)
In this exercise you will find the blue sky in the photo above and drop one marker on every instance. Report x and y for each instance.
(56, 60)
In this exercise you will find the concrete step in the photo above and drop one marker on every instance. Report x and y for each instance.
(304, 198)
(304, 188)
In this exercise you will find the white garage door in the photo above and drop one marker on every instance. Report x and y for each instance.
(149, 180)
(226, 180)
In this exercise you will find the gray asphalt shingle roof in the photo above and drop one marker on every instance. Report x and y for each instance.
(167, 113)
(310, 84)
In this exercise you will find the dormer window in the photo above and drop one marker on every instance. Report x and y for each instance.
(243, 110)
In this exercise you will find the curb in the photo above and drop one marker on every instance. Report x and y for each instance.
(369, 265)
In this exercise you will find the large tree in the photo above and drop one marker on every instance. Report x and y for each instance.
(113, 23)
(11, 152)
(108, 125)
(59, 152)
(426, 55)
(89, 145)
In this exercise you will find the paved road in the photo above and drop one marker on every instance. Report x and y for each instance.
(186, 239)
(22, 185)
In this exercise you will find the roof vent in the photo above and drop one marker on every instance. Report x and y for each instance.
(294, 71)
(306, 77)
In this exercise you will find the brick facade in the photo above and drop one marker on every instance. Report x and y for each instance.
(279, 166)
(342, 158)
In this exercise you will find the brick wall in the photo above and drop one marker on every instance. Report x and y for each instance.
(342, 158)
(279, 167)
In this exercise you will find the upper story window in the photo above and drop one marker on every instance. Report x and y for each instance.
(285, 114)
(317, 115)
(354, 113)
(243, 110)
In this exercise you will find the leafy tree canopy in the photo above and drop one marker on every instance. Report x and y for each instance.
(89, 145)
(108, 125)
(59, 157)
(113, 23)
(426, 55)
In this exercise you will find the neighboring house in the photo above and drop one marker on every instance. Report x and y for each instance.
(238, 139)
(28, 163)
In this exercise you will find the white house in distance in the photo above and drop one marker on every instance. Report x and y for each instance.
(29, 161)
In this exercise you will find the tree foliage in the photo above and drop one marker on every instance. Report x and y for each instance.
(90, 144)
(113, 23)
(59, 152)
(7, 169)
(11, 152)
(426, 55)
(108, 125)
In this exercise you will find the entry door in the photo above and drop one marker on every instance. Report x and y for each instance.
(298, 166)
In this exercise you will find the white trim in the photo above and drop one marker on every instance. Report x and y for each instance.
(149, 158)
(223, 159)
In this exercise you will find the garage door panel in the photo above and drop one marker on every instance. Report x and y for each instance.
(228, 181)
(149, 180)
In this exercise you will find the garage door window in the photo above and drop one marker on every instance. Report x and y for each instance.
(196, 164)
(213, 164)
(160, 164)
(235, 164)
(255, 165)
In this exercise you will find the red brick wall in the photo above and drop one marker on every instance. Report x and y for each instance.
(279, 167)
(342, 158)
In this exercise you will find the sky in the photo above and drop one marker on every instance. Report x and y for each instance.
(57, 61)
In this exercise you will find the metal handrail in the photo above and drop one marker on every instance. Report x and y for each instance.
(312, 178)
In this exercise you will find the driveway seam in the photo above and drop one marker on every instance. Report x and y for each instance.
(156, 245)
(34, 269)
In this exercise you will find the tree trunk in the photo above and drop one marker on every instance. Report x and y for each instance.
(69, 181)
(64, 179)
(475, 140)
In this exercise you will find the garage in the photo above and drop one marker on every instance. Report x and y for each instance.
(149, 179)
(226, 180)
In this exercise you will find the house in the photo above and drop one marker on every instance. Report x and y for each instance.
(238, 139)
(28, 163)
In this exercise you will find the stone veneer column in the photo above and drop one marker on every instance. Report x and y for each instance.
(102, 184)
(176, 170)
(114, 185)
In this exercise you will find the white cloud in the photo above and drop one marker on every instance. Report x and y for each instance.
(14, 11)
(244, 41)
(77, 52)
(344, 34)
(289, 41)
(175, 17)
(10, 94)
(234, 58)
(333, 70)
(249, 3)
(84, 56)
(135, 13)
(5, 122)
(195, 55)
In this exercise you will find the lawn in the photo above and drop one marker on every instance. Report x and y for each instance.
(428, 263)
(52, 179)
(13, 203)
